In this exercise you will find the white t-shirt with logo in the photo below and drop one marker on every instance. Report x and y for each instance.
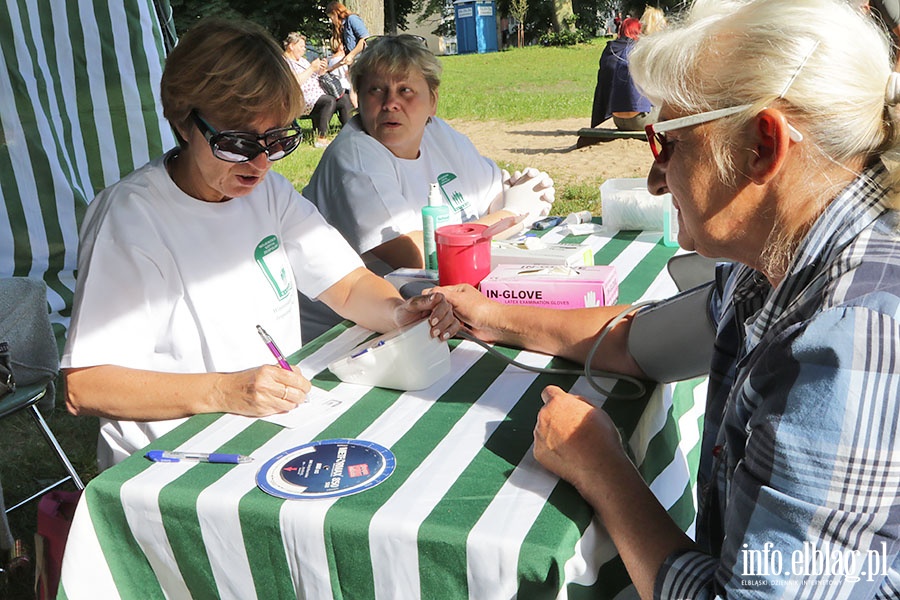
(372, 197)
(170, 283)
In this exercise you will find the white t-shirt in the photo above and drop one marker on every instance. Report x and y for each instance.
(372, 197)
(170, 283)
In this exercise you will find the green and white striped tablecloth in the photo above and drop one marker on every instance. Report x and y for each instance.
(467, 513)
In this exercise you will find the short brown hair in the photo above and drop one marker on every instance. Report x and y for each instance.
(230, 71)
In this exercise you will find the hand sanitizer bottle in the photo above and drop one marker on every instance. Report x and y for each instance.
(434, 215)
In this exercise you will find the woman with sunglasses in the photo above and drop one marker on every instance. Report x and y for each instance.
(771, 137)
(182, 259)
(375, 176)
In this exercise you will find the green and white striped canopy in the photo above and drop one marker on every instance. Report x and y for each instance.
(79, 108)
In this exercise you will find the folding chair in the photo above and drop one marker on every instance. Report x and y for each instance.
(25, 324)
(25, 398)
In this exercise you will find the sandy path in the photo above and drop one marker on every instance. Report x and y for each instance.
(550, 146)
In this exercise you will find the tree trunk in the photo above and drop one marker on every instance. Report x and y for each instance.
(562, 9)
(372, 13)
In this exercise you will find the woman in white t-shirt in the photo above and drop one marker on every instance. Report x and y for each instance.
(183, 258)
(374, 178)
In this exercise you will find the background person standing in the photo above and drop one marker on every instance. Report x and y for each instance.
(349, 34)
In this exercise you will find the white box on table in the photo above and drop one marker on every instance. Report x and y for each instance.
(628, 204)
(511, 253)
(552, 286)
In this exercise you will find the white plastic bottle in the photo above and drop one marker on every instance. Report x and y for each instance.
(434, 215)
(670, 223)
(577, 218)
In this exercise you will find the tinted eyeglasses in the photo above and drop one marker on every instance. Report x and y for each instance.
(244, 146)
(656, 132)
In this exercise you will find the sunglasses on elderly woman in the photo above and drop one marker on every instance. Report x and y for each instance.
(656, 132)
(244, 146)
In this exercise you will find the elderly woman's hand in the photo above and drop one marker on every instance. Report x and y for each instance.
(573, 439)
(443, 323)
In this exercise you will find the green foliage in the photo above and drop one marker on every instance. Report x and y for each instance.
(278, 16)
(445, 29)
(565, 37)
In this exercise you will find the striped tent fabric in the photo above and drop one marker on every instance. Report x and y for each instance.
(79, 108)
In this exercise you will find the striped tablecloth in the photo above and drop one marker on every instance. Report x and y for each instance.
(467, 513)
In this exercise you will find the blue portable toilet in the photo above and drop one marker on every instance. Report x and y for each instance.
(476, 26)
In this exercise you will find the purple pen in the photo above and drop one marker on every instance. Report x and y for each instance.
(273, 348)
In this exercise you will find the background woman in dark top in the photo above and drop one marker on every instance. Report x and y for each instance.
(616, 95)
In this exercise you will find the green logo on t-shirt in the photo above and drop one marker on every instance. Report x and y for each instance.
(452, 196)
(274, 265)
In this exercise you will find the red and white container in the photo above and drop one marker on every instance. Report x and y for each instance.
(463, 253)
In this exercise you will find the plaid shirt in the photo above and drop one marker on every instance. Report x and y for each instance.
(800, 473)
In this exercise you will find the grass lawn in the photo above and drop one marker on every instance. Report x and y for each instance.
(503, 86)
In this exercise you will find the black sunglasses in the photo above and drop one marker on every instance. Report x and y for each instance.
(244, 146)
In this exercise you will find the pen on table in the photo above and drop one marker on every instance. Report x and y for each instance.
(215, 457)
(273, 348)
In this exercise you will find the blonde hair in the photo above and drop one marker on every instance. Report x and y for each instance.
(397, 56)
(231, 72)
(292, 38)
(652, 20)
(824, 63)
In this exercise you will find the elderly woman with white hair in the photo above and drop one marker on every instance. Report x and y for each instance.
(771, 137)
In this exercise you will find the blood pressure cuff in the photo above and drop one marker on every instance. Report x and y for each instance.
(673, 339)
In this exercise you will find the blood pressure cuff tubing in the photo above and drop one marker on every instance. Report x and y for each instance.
(673, 339)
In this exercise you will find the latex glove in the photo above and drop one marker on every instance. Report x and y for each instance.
(531, 197)
(544, 181)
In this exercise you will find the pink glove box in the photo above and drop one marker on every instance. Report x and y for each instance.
(552, 286)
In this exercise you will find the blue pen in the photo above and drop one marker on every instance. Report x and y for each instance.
(172, 456)
(270, 343)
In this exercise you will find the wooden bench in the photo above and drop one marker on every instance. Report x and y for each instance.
(594, 135)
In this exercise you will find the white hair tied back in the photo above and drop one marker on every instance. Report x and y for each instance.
(892, 91)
